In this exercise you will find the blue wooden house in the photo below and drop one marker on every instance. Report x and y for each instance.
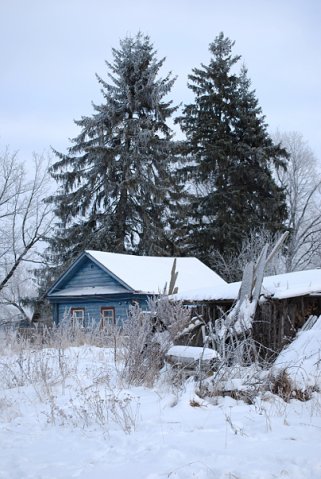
(101, 286)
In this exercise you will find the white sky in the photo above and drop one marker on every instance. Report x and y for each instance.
(51, 50)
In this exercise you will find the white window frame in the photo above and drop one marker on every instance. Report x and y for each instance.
(106, 321)
(77, 319)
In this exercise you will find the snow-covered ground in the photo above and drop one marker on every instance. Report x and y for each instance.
(65, 413)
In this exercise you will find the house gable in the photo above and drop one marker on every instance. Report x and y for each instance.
(86, 277)
(90, 274)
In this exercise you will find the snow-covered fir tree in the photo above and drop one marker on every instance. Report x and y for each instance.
(229, 158)
(116, 184)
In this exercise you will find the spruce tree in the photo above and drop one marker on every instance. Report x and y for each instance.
(229, 158)
(116, 188)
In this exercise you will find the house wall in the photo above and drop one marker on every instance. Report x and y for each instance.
(92, 308)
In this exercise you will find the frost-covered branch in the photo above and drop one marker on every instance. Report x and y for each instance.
(302, 184)
(25, 220)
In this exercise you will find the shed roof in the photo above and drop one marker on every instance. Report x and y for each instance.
(281, 286)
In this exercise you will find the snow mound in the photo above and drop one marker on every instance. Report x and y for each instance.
(302, 358)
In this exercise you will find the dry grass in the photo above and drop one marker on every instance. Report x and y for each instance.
(282, 385)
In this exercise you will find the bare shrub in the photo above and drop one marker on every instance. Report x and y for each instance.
(195, 403)
(67, 334)
(44, 367)
(237, 382)
(147, 335)
(172, 314)
(280, 383)
(124, 412)
(8, 410)
(141, 354)
(46, 372)
(61, 336)
(103, 407)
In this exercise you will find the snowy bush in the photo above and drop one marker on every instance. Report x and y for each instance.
(147, 335)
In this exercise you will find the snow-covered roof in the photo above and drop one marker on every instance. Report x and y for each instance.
(149, 274)
(281, 286)
(298, 283)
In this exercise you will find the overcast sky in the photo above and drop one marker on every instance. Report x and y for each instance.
(51, 50)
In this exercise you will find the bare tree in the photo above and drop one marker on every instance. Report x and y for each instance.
(231, 267)
(302, 183)
(25, 221)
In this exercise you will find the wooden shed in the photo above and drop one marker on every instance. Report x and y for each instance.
(286, 302)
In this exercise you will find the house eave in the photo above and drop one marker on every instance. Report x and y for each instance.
(96, 297)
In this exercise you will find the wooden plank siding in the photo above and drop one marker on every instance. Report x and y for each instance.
(92, 307)
(89, 274)
(276, 321)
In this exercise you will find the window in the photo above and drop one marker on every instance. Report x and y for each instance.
(77, 317)
(107, 317)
